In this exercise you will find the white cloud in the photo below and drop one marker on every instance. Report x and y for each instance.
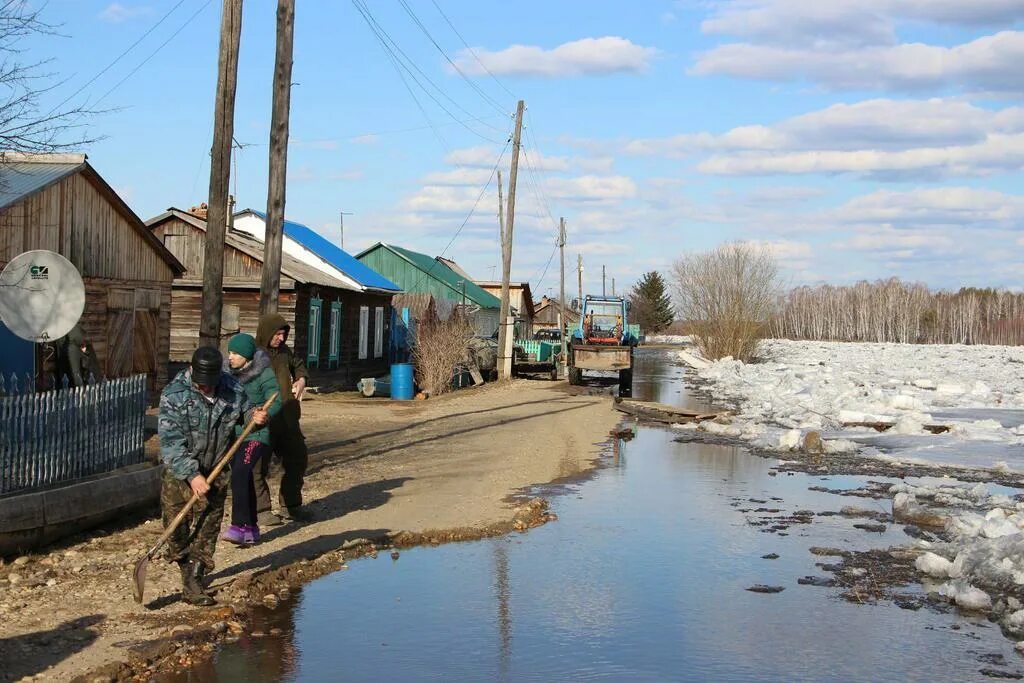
(460, 176)
(115, 12)
(584, 57)
(990, 63)
(881, 138)
(591, 188)
(962, 207)
(473, 157)
(368, 139)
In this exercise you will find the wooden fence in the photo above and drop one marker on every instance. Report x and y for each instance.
(57, 436)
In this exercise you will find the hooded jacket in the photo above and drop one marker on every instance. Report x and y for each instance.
(195, 431)
(286, 365)
(259, 383)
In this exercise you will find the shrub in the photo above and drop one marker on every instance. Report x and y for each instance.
(439, 352)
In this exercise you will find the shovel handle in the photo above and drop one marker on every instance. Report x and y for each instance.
(217, 469)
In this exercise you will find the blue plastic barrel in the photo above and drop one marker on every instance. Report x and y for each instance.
(401, 381)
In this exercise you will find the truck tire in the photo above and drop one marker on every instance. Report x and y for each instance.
(626, 382)
(575, 376)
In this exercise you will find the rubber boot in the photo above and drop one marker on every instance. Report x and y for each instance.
(192, 590)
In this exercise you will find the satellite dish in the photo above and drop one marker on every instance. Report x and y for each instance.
(41, 296)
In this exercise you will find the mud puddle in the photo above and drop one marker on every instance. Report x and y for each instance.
(667, 565)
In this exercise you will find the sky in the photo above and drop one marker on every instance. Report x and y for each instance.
(855, 139)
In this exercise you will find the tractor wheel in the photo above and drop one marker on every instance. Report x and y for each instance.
(626, 383)
(575, 376)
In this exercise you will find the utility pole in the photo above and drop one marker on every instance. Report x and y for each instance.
(603, 292)
(341, 217)
(270, 286)
(504, 334)
(613, 286)
(220, 173)
(561, 300)
(501, 217)
(579, 281)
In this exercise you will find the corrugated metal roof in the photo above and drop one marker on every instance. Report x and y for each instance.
(246, 243)
(439, 271)
(19, 179)
(335, 256)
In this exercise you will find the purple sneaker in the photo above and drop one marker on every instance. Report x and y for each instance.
(254, 531)
(240, 535)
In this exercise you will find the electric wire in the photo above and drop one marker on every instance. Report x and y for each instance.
(471, 50)
(119, 57)
(394, 50)
(487, 98)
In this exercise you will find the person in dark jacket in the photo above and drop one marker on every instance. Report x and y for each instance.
(250, 365)
(286, 436)
(199, 410)
(81, 358)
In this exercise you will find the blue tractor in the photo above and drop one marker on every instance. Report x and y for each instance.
(603, 341)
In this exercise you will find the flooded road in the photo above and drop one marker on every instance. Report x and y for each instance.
(643, 577)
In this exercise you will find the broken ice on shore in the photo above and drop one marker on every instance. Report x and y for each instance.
(977, 392)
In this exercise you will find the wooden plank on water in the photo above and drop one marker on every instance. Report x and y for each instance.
(661, 412)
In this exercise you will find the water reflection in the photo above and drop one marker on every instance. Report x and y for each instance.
(642, 578)
(658, 379)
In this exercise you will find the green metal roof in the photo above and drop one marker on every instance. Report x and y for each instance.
(433, 268)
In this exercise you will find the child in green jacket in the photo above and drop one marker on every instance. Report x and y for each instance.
(249, 365)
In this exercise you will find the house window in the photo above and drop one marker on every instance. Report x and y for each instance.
(378, 332)
(313, 338)
(364, 324)
(334, 348)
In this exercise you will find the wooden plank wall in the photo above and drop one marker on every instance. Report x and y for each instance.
(188, 244)
(74, 219)
(350, 368)
(186, 310)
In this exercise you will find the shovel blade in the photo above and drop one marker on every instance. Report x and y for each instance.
(139, 578)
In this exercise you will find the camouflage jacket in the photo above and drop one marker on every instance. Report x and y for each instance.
(195, 432)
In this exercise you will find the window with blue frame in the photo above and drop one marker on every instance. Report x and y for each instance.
(334, 340)
(315, 326)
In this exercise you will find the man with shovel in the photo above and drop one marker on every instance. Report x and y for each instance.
(199, 409)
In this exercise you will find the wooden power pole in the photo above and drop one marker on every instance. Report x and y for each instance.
(604, 280)
(270, 286)
(504, 339)
(501, 218)
(220, 173)
(579, 281)
(561, 296)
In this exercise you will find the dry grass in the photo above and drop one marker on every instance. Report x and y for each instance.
(439, 352)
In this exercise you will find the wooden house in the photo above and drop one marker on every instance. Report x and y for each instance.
(60, 203)
(520, 300)
(418, 273)
(546, 315)
(339, 310)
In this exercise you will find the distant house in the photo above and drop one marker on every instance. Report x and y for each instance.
(418, 273)
(338, 308)
(546, 315)
(60, 203)
(520, 301)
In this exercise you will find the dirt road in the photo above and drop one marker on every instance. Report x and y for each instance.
(382, 473)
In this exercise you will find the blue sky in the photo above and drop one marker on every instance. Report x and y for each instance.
(855, 138)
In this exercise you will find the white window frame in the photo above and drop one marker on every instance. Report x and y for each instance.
(364, 324)
(378, 332)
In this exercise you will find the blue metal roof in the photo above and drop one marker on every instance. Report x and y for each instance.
(335, 255)
(19, 179)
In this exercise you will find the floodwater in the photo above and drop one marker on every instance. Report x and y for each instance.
(642, 578)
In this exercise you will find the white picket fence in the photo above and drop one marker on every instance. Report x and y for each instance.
(58, 436)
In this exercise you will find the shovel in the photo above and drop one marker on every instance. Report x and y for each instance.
(139, 575)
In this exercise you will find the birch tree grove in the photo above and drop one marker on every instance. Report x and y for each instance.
(900, 312)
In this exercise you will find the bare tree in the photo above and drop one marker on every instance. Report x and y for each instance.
(728, 296)
(439, 351)
(25, 124)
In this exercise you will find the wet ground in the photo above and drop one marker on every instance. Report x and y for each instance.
(646, 576)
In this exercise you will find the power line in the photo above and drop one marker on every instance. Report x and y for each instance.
(490, 100)
(154, 52)
(384, 39)
(120, 56)
(471, 50)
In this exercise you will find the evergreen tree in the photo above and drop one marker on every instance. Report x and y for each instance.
(651, 304)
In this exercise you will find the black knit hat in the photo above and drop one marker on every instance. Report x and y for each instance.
(206, 366)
